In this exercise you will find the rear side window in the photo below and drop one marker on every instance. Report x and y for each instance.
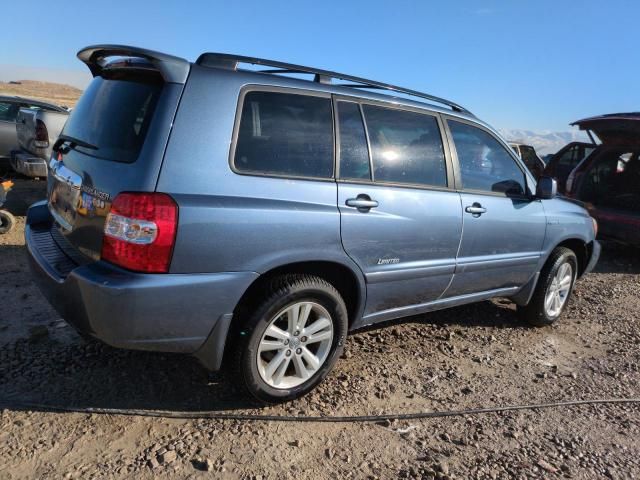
(406, 147)
(114, 116)
(354, 153)
(485, 165)
(285, 134)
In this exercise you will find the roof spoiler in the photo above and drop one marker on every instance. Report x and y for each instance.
(230, 62)
(173, 69)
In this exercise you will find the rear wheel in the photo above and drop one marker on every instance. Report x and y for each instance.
(553, 290)
(291, 338)
(7, 221)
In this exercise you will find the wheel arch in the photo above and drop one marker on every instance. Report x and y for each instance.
(349, 282)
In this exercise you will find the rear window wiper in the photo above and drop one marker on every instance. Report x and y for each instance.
(73, 142)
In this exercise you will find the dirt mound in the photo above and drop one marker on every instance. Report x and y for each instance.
(57, 93)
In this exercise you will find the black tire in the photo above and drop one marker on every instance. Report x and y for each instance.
(7, 221)
(535, 312)
(283, 291)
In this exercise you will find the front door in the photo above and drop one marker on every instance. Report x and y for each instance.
(400, 221)
(503, 227)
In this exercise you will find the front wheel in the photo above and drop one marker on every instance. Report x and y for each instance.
(292, 339)
(553, 290)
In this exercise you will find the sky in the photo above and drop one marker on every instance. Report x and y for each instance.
(535, 65)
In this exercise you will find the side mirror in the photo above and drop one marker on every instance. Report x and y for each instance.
(546, 188)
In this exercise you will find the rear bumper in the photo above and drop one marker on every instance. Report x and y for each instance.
(161, 312)
(28, 164)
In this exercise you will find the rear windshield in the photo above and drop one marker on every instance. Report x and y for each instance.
(114, 116)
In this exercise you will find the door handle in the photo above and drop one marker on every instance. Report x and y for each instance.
(362, 203)
(476, 209)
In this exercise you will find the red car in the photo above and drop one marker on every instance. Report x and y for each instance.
(608, 180)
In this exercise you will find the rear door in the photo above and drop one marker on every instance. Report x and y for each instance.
(563, 162)
(113, 141)
(503, 228)
(400, 219)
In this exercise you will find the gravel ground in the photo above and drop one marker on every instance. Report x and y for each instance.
(474, 356)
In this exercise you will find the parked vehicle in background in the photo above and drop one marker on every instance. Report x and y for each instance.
(608, 180)
(37, 128)
(254, 219)
(566, 159)
(9, 109)
(530, 158)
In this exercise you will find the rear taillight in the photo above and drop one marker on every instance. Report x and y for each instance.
(140, 232)
(42, 136)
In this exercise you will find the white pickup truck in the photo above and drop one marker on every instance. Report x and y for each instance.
(37, 129)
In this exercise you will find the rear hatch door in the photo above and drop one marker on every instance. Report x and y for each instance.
(114, 140)
(615, 128)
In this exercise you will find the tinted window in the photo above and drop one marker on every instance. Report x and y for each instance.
(354, 153)
(406, 147)
(285, 134)
(114, 115)
(571, 157)
(8, 111)
(484, 163)
(529, 157)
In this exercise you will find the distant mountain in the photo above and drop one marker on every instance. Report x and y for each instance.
(544, 142)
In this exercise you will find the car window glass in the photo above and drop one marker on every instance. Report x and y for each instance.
(406, 147)
(285, 134)
(571, 157)
(354, 153)
(485, 164)
(8, 111)
(529, 156)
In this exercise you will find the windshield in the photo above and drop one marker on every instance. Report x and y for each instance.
(114, 116)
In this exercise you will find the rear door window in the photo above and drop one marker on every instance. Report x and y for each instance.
(353, 151)
(485, 165)
(406, 147)
(285, 134)
(114, 115)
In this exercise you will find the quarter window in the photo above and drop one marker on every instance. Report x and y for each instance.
(354, 153)
(285, 134)
(485, 164)
(406, 147)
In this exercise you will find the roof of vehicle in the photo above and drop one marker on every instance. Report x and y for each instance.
(35, 103)
(176, 69)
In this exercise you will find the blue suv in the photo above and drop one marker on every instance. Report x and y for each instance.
(252, 217)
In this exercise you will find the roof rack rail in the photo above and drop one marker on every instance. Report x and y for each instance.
(229, 61)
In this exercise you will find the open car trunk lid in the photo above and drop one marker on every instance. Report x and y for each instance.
(614, 128)
(114, 140)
